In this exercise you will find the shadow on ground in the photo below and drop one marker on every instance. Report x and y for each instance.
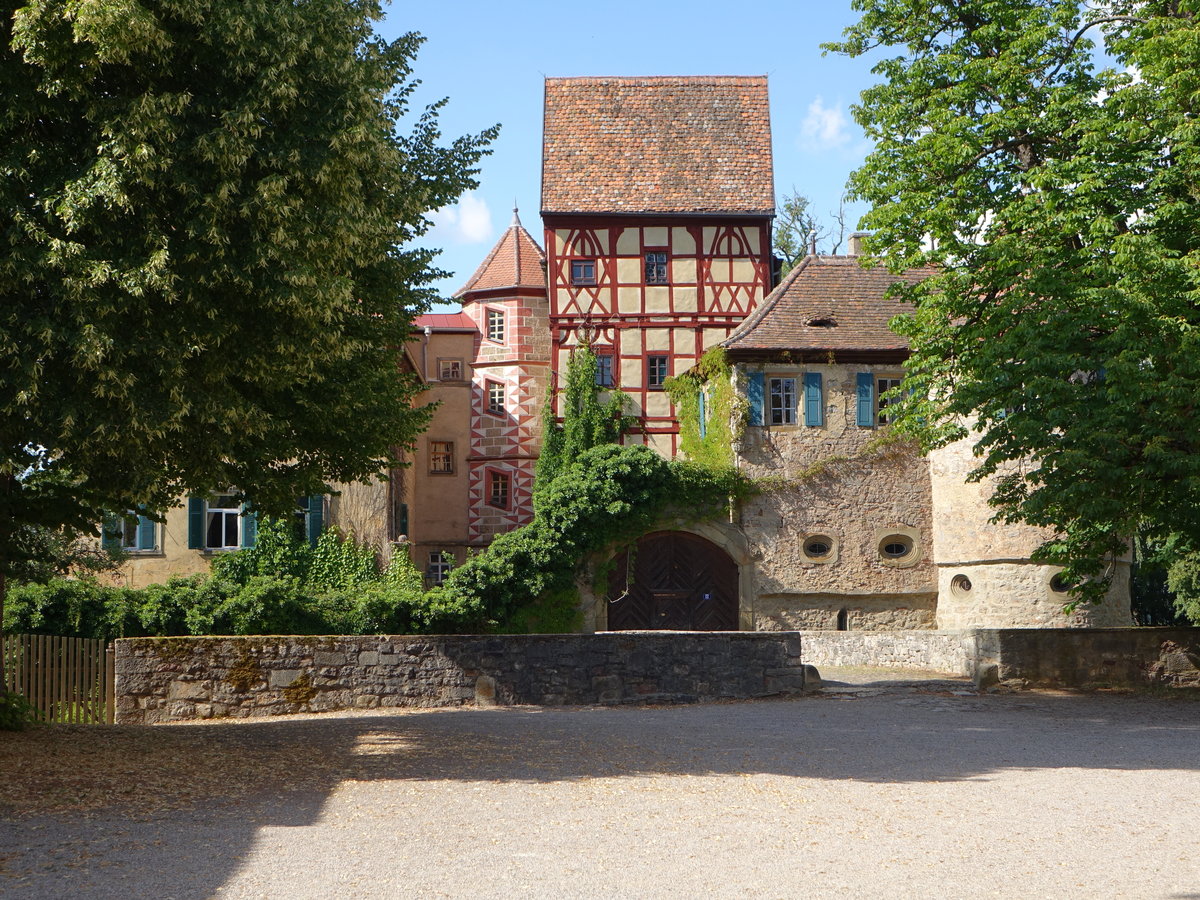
(169, 811)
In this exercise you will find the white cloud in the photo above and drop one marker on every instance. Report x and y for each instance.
(825, 127)
(467, 222)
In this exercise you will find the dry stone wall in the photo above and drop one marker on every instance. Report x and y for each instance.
(174, 679)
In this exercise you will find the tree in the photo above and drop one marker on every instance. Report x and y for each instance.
(1055, 189)
(798, 231)
(203, 275)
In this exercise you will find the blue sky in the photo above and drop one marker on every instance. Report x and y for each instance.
(490, 58)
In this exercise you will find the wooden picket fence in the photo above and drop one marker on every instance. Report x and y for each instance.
(69, 680)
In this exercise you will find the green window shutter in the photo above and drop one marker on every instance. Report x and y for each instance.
(814, 402)
(316, 518)
(703, 415)
(145, 533)
(754, 395)
(109, 535)
(196, 523)
(866, 400)
(249, 526)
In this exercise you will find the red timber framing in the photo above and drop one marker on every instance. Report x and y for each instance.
(718, 270)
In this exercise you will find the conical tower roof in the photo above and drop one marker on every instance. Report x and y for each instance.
(515, 262)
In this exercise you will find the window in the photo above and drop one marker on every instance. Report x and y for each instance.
(221, 515)
(450, 370)
(441, 457)
(583, 271)
(495, 325)
(783, 400)
(440, 564)
(656, 371)
(495, 398)
(656, 267)
(498, 490)
(130, 532)
(882, 385)
(604, 370)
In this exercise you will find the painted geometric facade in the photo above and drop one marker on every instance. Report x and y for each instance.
(657, 199)
(506, 301)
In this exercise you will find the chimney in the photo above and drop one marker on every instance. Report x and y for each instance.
(854, 243)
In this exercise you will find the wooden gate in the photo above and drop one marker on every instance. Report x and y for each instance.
(675, 581)
(68, 680)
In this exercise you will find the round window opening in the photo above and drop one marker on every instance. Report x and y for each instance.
(960, 585)
(1059, 585)
(895, 546)
(818, 547)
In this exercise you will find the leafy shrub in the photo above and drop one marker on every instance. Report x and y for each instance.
(16, 713)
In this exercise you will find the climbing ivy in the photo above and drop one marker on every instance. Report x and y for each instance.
(708, 439)
(586, 421)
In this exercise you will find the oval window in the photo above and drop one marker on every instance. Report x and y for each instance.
(895, 546)
(818, 547)
(960, 585)
(1059, 585)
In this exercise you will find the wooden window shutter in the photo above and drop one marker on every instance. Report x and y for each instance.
(703, 413)
(196, 523)
(754, 394)
(316, 518)
(814, 405)
(249, 526)
(866, 400)
(109, 533)
(145, 533)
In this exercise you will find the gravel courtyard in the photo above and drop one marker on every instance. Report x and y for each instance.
(892, 790)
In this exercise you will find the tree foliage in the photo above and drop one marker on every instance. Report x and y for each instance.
(203, 273)
(1054, 186)
(798, 230)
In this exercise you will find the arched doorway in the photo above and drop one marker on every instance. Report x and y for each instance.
(675, 581)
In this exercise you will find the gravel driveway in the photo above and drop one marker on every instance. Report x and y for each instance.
(899, 790)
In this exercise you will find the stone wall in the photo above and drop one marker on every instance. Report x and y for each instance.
(173, 679)
(933, 651)
(1086, 657)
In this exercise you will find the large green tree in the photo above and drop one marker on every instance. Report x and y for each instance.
(205, 276)
(1045, 155)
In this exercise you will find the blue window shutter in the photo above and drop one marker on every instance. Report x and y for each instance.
(145, 534)
(316, 518)
(703, 416)
(814, 404)
(754, 394)
(249, 526)
(866, 400)
(196, 523)
(109, 539)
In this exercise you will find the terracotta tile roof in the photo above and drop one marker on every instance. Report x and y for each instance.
(698, 144)
(515, 261)
(827, 303)
(445, 322)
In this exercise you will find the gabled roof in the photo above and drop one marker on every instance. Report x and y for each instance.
(827, 303)
(698, 144)
(515, 262)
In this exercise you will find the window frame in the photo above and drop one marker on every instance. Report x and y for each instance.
(495, 478)
(881, 417)
(651, 360)
(438, 564)
(224, 511)
(117, 529)
(444, 451)
(661, 275)
(494, 323)
(580, 279)
(453, 361)
(793, 411)
(605, 370)
(489, 389)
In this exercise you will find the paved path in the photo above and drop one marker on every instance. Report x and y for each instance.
(869, 790)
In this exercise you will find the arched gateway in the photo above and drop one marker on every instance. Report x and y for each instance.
(676, 581)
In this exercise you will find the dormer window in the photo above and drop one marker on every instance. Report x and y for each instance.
(583, 271)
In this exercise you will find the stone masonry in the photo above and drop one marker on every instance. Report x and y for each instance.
(174, 679)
